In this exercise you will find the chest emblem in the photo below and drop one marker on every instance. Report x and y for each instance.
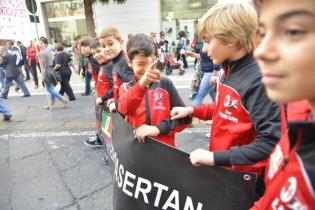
(158, 96)
(230, 102)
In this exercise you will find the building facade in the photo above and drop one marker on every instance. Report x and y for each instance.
(62, 21)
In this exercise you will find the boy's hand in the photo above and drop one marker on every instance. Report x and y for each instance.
(201, 157)
(99, 101)
(181, 112)
(112, 105)
(146, 130)
(213, 80)
(150, 75)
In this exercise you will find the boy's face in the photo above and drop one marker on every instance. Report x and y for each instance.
(217, 51)
(99, 55)
(140, 63)
(287, 48)
(111, 46)
(86, 50)
(41, 45)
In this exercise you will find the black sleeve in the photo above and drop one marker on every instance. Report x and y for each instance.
(168, 125)
(94, 64)
(109, 94)
(107, 70)
(265, 116)
(125, 73)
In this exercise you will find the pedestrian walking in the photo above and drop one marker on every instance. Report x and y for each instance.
(47, 74)
(5, 111)
(8, 62)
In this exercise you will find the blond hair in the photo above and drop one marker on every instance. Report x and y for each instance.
(229, 22)
(110, 31)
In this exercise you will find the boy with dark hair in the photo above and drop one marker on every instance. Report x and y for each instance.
(146, 101)
(91, 67)
(246, 124)
(103, 86)
(286, 58)
(87, 70)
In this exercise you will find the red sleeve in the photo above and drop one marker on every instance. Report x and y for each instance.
(95, 76)
(204, 111)
(130, 98)
(257, 205)
(29, 53)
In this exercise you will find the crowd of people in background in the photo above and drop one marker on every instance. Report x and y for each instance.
(247, 110)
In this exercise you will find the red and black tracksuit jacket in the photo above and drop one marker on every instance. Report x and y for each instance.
(152, 106)
(290, 174)
(121, 72)
(104, 83)
(246, 124)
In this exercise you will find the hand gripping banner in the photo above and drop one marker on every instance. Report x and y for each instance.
(153, 175)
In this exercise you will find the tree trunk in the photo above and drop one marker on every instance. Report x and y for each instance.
(88, 9)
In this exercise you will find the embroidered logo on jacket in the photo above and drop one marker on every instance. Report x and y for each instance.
(158, 96)
(289, 197)
(230, 102)
(159, 99)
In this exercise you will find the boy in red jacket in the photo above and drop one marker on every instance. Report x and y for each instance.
(246, 124)
(112, 43)
(146, 101)
(286, 58)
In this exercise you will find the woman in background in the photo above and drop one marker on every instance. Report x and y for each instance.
(48, 76)
(62, 61)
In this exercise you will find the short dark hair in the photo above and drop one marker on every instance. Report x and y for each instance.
(44, 40)
(86, 41)
(18, 42)
(95, 43)
(141, 44)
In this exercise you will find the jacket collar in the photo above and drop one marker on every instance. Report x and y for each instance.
(236, 65)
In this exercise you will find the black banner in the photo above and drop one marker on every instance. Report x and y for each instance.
(153, 175)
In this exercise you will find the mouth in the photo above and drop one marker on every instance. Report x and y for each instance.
(271, 79)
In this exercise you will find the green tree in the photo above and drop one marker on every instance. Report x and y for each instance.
(88, 9)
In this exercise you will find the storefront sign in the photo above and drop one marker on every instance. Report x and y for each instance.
(64, 9)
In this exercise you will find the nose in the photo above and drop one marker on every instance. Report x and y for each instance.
(267, 48)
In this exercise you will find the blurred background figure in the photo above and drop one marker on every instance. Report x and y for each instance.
(181, 47)
(32, 51)
(27, 68)
(62, 61)
(4, 110)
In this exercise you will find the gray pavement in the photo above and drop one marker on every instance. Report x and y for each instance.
(43, 161)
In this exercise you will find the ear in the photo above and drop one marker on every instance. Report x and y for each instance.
(121, 42)
(129, 62)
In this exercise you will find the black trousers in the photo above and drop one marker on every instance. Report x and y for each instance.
(65, 85)
(34, 71)
(184, 59)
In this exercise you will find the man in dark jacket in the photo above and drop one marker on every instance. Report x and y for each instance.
(8, 62)
(27, 68)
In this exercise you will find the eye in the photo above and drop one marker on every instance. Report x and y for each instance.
(294, 32)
